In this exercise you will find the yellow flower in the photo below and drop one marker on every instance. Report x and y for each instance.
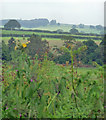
(24, 45)
(15, 47)
(27, 42)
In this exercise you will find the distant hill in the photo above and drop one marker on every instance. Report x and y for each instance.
(31, 23)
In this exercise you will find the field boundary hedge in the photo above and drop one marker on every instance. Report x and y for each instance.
(49, 36)
(47, 31)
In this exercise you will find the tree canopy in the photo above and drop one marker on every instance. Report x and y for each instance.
(74, 31)
(36, 45)
(11, 24)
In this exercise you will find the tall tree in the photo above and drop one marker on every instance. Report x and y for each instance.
(11, 44)
(11, 24)
(81, 25)
(36, 45)
(53, 22)
(74, 31)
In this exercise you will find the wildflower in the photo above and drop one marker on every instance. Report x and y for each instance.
(35, 80)
(27, 42)
(15, 47)
(20, 115)
(14, 108)
(67, 62)
(24, 45)
(58, 93)
(31, 80)
(16, 70)
(6, 108)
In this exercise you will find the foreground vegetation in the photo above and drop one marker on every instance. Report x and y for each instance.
(41, 80)
(34, 88)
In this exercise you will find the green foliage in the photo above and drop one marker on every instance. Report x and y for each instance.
(81, 25)
(93, 52)
(12, 24)
(35, 89)
(52, 22)
(99, 27)
(6, 56)
(36, 45)
(11, 44)
(74, 31)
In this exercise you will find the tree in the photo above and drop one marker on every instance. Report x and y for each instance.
(74, 26)
(92, 27)
(91, 46)
(59, 31)
(89, 54)
(11, 44)
(11, 24)
(53, 22)
(81, 25)
(99, 27)
(58, 24)
(36, 46)
(74, 31)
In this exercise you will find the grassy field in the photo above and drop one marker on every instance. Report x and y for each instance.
(66, 28)
(42, 33)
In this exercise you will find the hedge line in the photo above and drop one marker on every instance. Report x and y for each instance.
(47, 31)
(50, 36)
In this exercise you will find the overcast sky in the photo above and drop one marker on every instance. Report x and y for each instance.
(64, 11)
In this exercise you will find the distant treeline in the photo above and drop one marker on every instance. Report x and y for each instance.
(32, 23)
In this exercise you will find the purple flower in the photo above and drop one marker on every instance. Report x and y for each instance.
(104, 106)
(16, 70)
(58, 92)
(20, 115)
(31, 80)
(15, 108)
(35, 80)
(6, 108)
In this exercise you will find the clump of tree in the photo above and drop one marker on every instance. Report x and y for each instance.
(81, 25)
(37, 46)
(74, 26)
(59, 31)
(74, 31)
(52, 22)
(92, 27)
(99, 27)
(8, 50)
(12, 24)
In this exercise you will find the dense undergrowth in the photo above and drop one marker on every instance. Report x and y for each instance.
(42, 89)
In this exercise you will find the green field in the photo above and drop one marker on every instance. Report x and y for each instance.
(12, 32)
(66, 28)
